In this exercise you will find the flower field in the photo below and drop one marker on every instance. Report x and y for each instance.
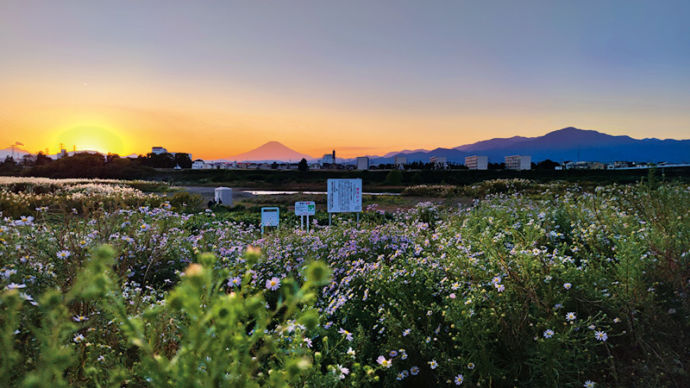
(102, 285)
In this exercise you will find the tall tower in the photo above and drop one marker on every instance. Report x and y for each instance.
(333, 156)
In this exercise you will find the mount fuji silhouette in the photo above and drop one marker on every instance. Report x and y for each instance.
(271, 151)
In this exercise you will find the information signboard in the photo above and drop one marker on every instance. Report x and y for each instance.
(270, 216)
(305, 208)
(344, 195)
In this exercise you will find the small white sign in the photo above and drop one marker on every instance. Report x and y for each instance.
(270, 216)
(305, 208)
(223, 196)
(344, 195)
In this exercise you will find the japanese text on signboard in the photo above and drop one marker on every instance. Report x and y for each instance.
(305, 208)
(344, 195)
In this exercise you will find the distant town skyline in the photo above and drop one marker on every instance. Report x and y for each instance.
(217, 79)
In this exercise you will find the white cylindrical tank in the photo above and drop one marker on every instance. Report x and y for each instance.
(223, 196)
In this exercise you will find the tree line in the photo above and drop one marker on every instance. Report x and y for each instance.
(93, 165)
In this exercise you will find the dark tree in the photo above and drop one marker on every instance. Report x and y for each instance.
(165, 160)
(183, 160)
(28, 160)
(9, 166)
(111, 157)
(416, 165)
(302, 165)
(394, 178)
(547, 164)
(417, 178)
(88, 165)
(42, 159)
(456, 166)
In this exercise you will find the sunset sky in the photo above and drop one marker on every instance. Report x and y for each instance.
(217, 78)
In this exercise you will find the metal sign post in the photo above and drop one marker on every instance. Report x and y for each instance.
(344, 196)
(270, 216)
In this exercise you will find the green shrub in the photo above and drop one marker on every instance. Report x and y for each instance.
(223, 336)
(187, 202)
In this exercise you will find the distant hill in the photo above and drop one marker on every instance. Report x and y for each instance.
(561, 145)
(271, 151)
(18, 153)
(405, 152)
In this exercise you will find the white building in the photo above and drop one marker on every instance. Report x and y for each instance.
(198, 165)
(518, 162)
(328, 158)
(585, 165)
(362, 163)
(477, 162)
(439, 161)
(158, 150)
(400, 161)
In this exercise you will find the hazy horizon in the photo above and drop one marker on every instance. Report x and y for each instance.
(217, 79)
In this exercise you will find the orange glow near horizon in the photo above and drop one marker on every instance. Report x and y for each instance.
(213, 124)
(135, 132)
(90, 138)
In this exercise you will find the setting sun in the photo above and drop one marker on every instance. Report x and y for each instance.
(89, 138)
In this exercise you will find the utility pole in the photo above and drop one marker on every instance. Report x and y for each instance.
(13, 146)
